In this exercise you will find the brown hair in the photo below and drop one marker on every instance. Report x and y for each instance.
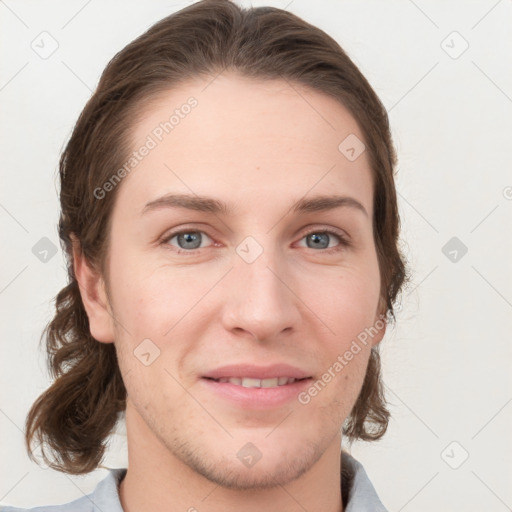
(75, 416)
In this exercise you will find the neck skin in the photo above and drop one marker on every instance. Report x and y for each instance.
(158, 481)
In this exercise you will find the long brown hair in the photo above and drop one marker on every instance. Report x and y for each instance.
(74, 417)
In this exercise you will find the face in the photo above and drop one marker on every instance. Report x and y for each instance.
(250, 269)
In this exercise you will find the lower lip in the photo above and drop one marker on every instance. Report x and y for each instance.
(257, 398)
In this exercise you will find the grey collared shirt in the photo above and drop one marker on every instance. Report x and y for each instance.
(361, 495)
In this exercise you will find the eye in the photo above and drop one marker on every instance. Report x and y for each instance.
(187, 240)
(322, 239)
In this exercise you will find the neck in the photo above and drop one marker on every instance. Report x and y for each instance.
(158, 480)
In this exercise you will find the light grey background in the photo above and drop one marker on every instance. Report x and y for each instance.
(446, 364)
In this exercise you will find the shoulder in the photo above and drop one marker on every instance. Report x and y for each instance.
(104, 498)
(80, 505)
(362, 495)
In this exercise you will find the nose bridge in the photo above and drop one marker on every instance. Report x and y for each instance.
(259, 300)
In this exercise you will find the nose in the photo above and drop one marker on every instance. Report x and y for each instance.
(260, 299)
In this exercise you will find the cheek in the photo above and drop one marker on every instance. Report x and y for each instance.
(347, 302)
(149, 300)
(348, 309)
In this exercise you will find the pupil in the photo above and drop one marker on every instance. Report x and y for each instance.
(319, 240)
(191, 240)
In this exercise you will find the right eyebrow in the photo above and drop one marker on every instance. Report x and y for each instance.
(190, 202)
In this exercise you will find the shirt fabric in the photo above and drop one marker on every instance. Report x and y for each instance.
(359, 495)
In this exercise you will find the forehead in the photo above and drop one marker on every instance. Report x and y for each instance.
(255, 136)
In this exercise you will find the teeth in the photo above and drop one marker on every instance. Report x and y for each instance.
(269, 383)
(247, 382)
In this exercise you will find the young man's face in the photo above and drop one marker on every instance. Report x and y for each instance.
(257, 285)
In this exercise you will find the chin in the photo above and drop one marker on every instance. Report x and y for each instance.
(232, 476)
(250, 469)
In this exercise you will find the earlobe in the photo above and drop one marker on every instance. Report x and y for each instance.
(380, 323)
(94, 296)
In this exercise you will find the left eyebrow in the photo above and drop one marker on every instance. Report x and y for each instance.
(211, 205)
(324, 203)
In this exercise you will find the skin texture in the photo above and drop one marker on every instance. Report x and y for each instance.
(259, 146)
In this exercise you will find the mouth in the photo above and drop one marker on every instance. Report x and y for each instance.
(256, 394)
(256, 387)
(249, 382)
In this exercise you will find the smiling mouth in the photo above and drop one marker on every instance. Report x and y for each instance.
(247, 382)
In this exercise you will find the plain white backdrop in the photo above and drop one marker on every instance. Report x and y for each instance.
(442, 70)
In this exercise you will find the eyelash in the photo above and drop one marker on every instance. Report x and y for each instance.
(343, 241)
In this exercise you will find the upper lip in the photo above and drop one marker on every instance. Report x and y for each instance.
(257, 372)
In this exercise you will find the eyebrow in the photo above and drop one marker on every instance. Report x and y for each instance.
(211, 205)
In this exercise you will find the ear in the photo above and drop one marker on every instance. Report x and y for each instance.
(94, 296)
(380, 323)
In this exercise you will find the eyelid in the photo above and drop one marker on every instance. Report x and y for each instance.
(344, 239)
(170, 235)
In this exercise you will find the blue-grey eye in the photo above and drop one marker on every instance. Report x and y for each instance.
(189, 239)
(318, 240)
